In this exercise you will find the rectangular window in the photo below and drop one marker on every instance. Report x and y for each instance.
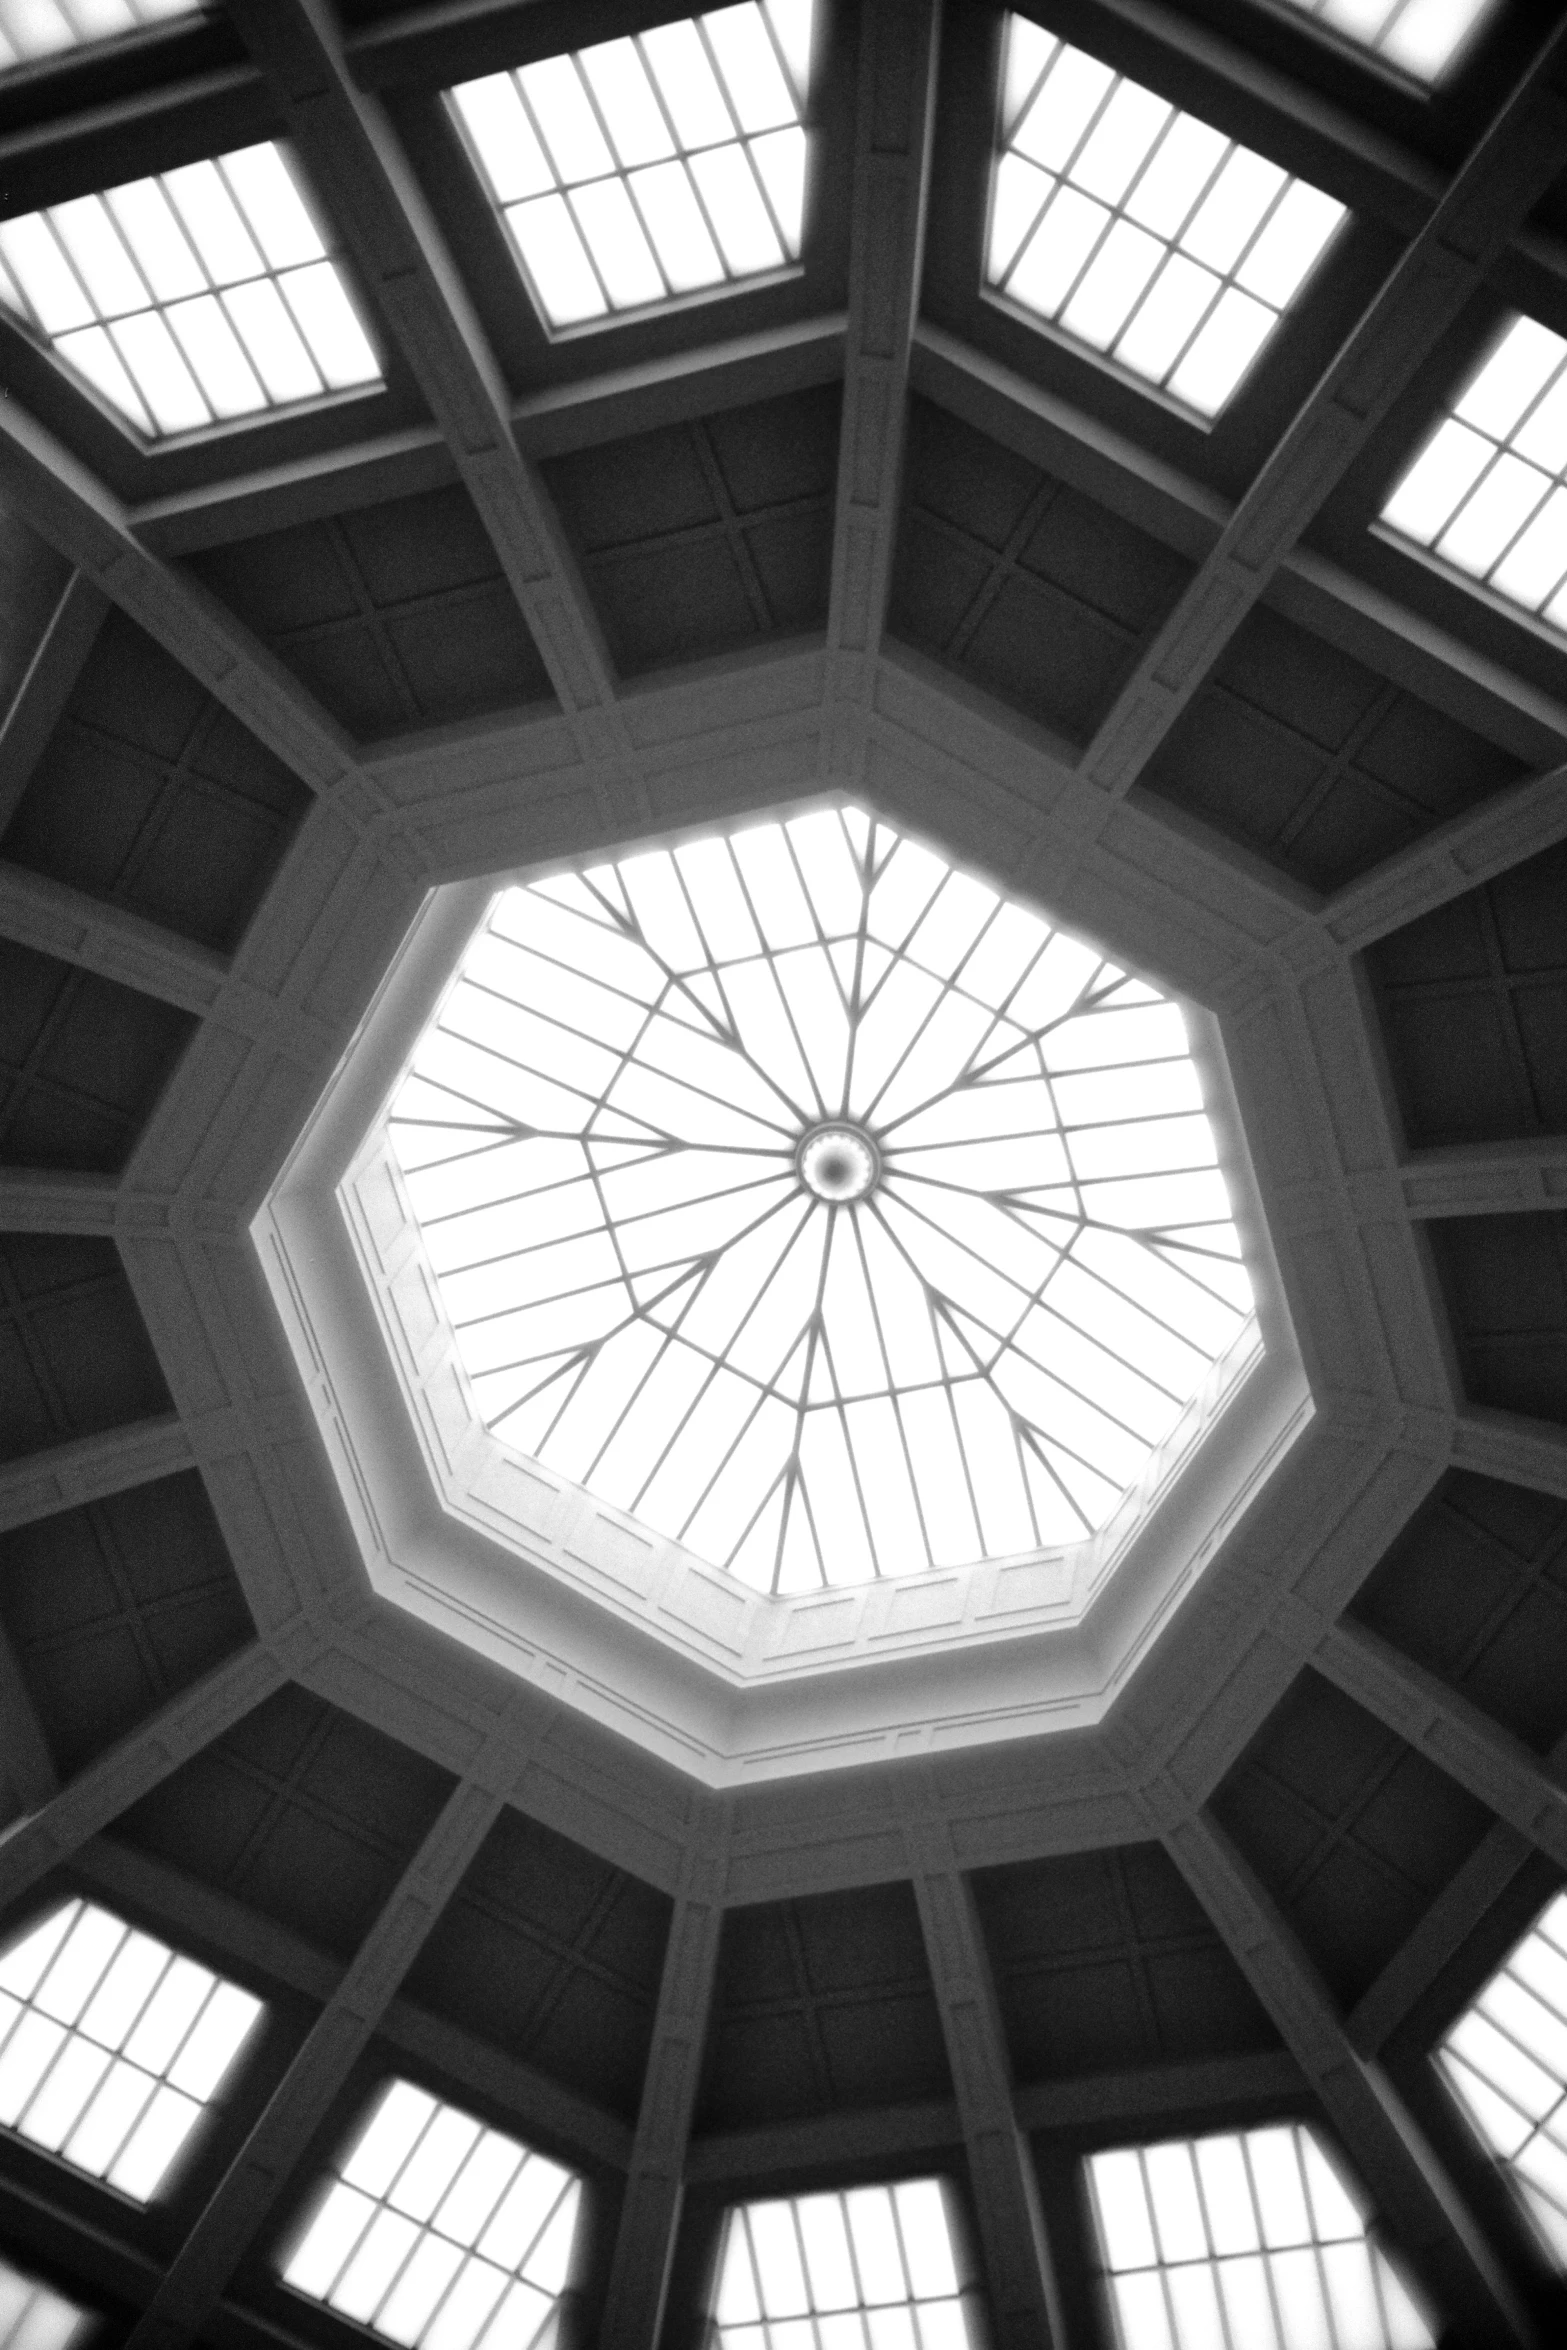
(1488, 492)
(1506, 2062)
(1248, 2241)
(192, 297)
(643, 169)
(1421, 37)
(438, 2231)
(41, 28)
(34, 2318)
(111, 2044)
(1139, 230)
(875, 2268)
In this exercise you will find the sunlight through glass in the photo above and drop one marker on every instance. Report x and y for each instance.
(873, 2269)
(798, 1194)
(650, 166)
(42, 28)
(1506, 2061)
(1423, 37)
(1139, 230)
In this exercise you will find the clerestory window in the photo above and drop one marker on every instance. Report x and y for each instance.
(1250, 2240)
(1505, 2060)
(190, 298)
(643, 169)
(1488, 492)
(875, 2268)
(42, 28)
(439, 2232)
(112, 2044)
(1420, 37)
(32, 2317)
(1138, 229)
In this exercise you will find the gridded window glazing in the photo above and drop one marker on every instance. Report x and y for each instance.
(111, 2044)
(40, 28)
(1506, 2061)
(873, 2269)
(646, 168)
(1488, 492)
(440, 2233)
(1247, 2241)
(805, 1198)
(198, 295)
(1421, 37)
(34, 2318)
(1140, 230)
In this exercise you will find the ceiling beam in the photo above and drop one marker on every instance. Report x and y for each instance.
(1444, 1726)
(1488, 200)
(26, 1763)
(1506, 1445)
(639, 2272)
(1499, 833)
(135, 1765)
(1463, 1904)
(354, 160)
(47, 686)
(894, 119)
(65, 503)
(125, 947)
(39, 1200)
(1418, 2203)
(89, 1468)
(1487, 1178)
(249, 2189)
(1019, 2274)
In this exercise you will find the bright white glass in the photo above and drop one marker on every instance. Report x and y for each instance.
(1247, 2241)
(34, 2318)
(1423, 37)
(439, 2233)
(197, 296)
(1485, 491)
(1505, 2060)
(1098, 182)
(872, 2269)
(642, 169)
(111, 2044)
(800, 1195)
(42, 28)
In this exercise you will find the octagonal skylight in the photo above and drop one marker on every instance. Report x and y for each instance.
(800, 1196)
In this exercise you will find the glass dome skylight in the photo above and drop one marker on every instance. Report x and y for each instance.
(799, 1195)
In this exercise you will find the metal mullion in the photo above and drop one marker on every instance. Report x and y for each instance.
(764, 1393)
(715, 1365)
(855, 1478)
(610, 1226)
(754, 1519)
(1184, 1337)
(99, 317)
(1009, 136)
(939, 1307)
(1103, 1344)
(723, 91)
(747, 140)
(893, 1389)
(562, 189)
(1052, 189)
(1010, 1345)
(901, 1063)
(857, 1003)
(152, 302)
(1550, 483)
(572, 1369)
(1036, 1441)
(799, 96)
(1263, 2247)
(1095, 249)
(1235, 266)
(709, 472)
(1498, 452)
(510, 1199)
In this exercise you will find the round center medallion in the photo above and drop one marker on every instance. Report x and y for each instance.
(838, 1163)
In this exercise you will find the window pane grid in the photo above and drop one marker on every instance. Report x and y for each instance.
(192, 297)
(437, 2230)
(42, 28)
(1488, 492)
(1421, 37)
(1139, 230)
(649, 167)
(34, 2318)
(1247, 2241)
(111, 2044)
(874, 2268)
(796, 1193)
(1506, 2062)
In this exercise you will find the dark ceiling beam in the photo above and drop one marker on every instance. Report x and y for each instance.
(1015, 2254)
(1493, 1764)
(264, 2166)
(88, 1468)
(58, 920)
(1464, 1903)
(50, 681)
(32, 1200)
(1509, 169)
(894, 118)
(26, 1764)
(580, 415)
(135, 1765)
(1501, 832)
(369, 188)
(1486, 1178)
(1507, 1446)
(55, 492)
(1401, 2175)
(638, 2289)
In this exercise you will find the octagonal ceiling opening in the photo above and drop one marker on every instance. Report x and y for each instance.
(812, 1282)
